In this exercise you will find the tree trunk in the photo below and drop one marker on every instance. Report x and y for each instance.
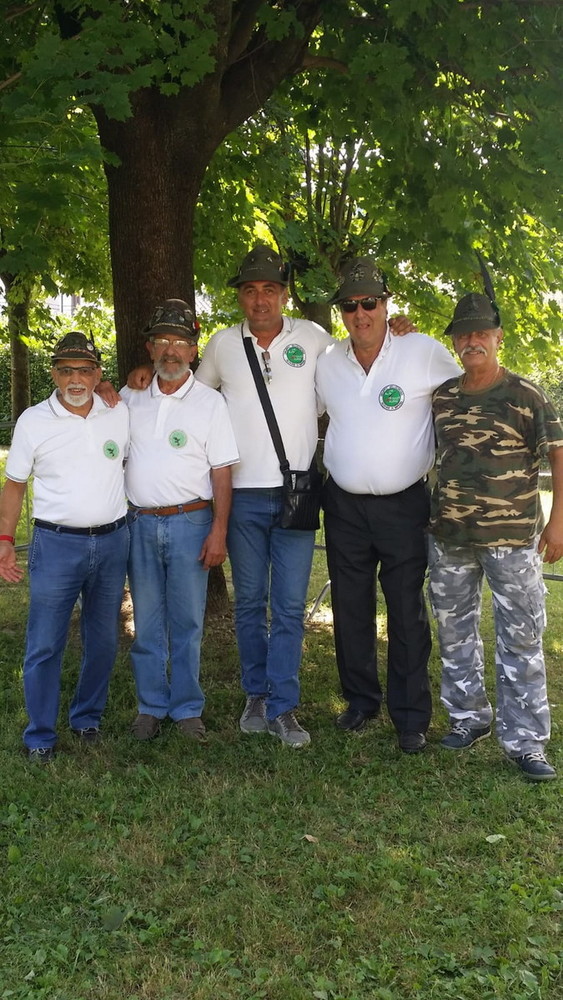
(18, 298)
(153, 193)
(318, 312)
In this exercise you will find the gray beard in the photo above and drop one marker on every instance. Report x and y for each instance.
(76, 400)
(168, 376)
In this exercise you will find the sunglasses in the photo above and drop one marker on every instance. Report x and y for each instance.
(368, 304)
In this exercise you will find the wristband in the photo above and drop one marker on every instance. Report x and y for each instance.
(8, 538)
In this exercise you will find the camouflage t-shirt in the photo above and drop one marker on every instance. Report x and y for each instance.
(489, 448)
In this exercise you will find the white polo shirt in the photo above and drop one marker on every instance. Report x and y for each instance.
(176, 440)
(380, 438)
(77, 462)
(293, 358)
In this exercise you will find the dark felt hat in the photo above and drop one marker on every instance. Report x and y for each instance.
(75, 346)
(473, 312)
(360, 276)
(173, 316)
(261, 264)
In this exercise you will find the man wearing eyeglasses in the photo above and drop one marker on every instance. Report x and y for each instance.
(379, 447)
(182, 450)
(74, 446)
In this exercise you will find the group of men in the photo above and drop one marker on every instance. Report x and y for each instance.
(202, 477)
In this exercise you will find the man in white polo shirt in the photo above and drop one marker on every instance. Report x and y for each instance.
(270, 564)
(379, 447)
(74, 447)
(182, 449)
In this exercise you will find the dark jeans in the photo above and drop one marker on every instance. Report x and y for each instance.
(364, 532)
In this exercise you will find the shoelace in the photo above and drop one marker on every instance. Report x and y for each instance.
(534, 755)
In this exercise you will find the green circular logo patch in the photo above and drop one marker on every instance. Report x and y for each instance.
(295, 356)
(111, 449)
(177, 438)
(391, 397)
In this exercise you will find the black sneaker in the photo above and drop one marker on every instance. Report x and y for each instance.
(89, 736)
(534, 766)
(41, 755)
(462, 737)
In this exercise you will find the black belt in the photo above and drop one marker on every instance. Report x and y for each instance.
(98, 529)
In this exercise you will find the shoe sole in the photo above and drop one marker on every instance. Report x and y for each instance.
(353, 729)
(477, 739)
(532, 777)
(254, 729)
(286, 743)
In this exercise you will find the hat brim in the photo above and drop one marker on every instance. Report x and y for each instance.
(471, 325)
(75, 356)
(170, 328)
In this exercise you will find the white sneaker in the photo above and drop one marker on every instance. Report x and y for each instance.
(287, 728)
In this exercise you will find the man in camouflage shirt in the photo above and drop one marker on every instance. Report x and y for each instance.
(492, 429)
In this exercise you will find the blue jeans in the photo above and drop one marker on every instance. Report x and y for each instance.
(268, 562)
(169, 588)
(61, 568)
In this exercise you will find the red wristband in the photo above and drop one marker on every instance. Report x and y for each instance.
(8, 538)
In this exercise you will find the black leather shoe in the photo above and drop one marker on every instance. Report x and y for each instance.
(352, 720)
(411, 742)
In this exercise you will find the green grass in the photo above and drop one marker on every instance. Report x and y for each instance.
(242, 869)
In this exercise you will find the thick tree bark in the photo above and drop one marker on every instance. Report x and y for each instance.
(152, 198)
(317, 312)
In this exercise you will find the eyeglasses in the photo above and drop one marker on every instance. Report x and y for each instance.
(368, 304)
(162, 342)
(88, 372)
(267, 369)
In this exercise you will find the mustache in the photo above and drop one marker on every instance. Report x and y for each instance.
(472, 350)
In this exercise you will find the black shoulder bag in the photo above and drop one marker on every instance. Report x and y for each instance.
(301, 489)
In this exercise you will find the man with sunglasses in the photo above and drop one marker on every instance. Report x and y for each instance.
(377, 391)
(182, 450)
(74, 446)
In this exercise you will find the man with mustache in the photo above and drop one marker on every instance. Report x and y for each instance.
(492, 429)
(74, 446)
(178, 482)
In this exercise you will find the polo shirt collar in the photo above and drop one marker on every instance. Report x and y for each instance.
(61, 411)
(180, 393)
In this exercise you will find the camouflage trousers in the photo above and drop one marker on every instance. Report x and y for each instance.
(515, 578)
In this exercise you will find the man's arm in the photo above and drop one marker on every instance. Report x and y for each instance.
(214, 549)
(11, 500)
(551, 539)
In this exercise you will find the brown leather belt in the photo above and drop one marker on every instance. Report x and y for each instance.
(178, 508)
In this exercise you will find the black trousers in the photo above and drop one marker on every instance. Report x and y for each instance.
(364, 532)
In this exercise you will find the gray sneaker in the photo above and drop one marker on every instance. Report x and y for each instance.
(253, 719)
(287, 728)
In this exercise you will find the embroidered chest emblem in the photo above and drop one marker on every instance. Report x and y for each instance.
(177, 439)
(111, 449)
(294, 355)
(391, 397)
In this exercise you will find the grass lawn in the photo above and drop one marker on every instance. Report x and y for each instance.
(243, 869)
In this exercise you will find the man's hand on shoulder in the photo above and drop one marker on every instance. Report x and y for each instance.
(109, 395)
(140, 377)
(399, 325)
